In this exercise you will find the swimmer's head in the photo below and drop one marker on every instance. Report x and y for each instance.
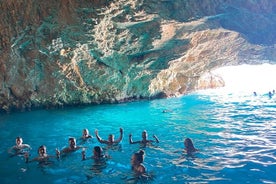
(72, 142)
(41, 150)
(144, 134)
(98, 151)
(138, 157)
(85, 132)
(111, 138)
(189, 146)
(18, 140)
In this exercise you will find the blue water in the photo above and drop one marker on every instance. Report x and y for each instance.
(236, 136)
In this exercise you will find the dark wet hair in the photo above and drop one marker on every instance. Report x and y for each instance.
(140, 156)
(40, 147)
(71, 139)
(98, 150)
(18, 138)
(189, 141)
(189, 145)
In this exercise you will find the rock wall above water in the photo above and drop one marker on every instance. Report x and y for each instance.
(67, 52)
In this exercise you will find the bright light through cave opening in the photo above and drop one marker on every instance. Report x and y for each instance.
(248, 78)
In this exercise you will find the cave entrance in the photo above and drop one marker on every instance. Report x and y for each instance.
(248, 78)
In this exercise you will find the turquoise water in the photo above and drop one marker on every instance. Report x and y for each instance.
(236, 136)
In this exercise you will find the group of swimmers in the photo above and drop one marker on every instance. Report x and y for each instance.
(137, 158)
(270, 94)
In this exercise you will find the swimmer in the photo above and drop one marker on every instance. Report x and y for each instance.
(99, 161)
(71, 148)
(43, 157)
(144, 140)
(98, 153)
(270, 94)
(85, 134)
(189, 146)
(137, 160)
(19, 148)
(166, 110)
(110, 140)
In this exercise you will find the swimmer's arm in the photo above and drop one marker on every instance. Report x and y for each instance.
(26, 146)
(65, 151)
(55, 156)
(27, 158)
(14, 150)
(83, 154)
(57, 153)
(107, 156)
(99, 138)
(103, 141)
(121, 136)
(11, 150)
(156, 138)
(131, 141)
(38, 159)
(85, 138)
(81, 147)
(62, 153)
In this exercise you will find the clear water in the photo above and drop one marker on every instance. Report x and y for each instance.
(236, 136)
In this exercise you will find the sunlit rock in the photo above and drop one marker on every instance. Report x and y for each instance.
(210, 80)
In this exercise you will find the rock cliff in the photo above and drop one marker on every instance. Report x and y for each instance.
(67, 52)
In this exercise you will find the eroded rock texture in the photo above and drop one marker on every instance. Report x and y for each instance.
(67, 52)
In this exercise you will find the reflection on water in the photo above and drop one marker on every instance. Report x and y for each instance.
(236, 136)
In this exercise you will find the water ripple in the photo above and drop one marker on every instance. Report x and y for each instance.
(236, 138)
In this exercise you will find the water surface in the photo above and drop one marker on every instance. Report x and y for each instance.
(236, 136)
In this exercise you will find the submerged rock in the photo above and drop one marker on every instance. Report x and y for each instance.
(67, 52)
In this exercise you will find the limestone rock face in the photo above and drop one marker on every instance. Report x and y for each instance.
(68, 52)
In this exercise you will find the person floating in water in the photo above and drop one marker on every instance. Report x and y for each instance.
(137, 160)
(270, 94)
(71, 148)
(110, 140)
(189, 146)
(166, 110)
(144, 140)
(98, 154)
(85, 134)
(99, 160)
(19, 148)
(43, 157)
